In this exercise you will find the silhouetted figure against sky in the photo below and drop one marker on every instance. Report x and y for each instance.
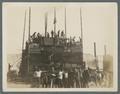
(58, 33)
(52, 33)
(34, 35)
(47, 35)
(62, 34)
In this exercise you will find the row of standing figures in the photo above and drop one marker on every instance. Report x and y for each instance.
(38, 38)
(59, 34)
(66, 79)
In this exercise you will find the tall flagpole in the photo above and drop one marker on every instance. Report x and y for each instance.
(24, 31)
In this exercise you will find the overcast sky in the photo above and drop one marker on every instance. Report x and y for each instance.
(99, 23)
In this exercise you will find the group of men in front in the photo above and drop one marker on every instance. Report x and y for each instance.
(61, 78)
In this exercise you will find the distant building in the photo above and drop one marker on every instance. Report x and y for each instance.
(108, 63)
(100, 62)
(91, 63)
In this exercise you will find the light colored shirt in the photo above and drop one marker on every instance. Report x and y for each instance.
(66, 75)
(61, 75)
(38, 73)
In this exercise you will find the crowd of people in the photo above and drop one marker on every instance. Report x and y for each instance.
(65, 78)
(56, 38)
(35, 37)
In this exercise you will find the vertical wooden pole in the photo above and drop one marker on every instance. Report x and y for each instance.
(29, 23)
(81, 23)
(24, 31)
(46, 24)
(55, 20)
(105, 50)
(94, 49)
(29, 39)
(65, 25)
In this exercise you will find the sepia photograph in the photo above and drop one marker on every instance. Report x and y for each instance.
(63, 46)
